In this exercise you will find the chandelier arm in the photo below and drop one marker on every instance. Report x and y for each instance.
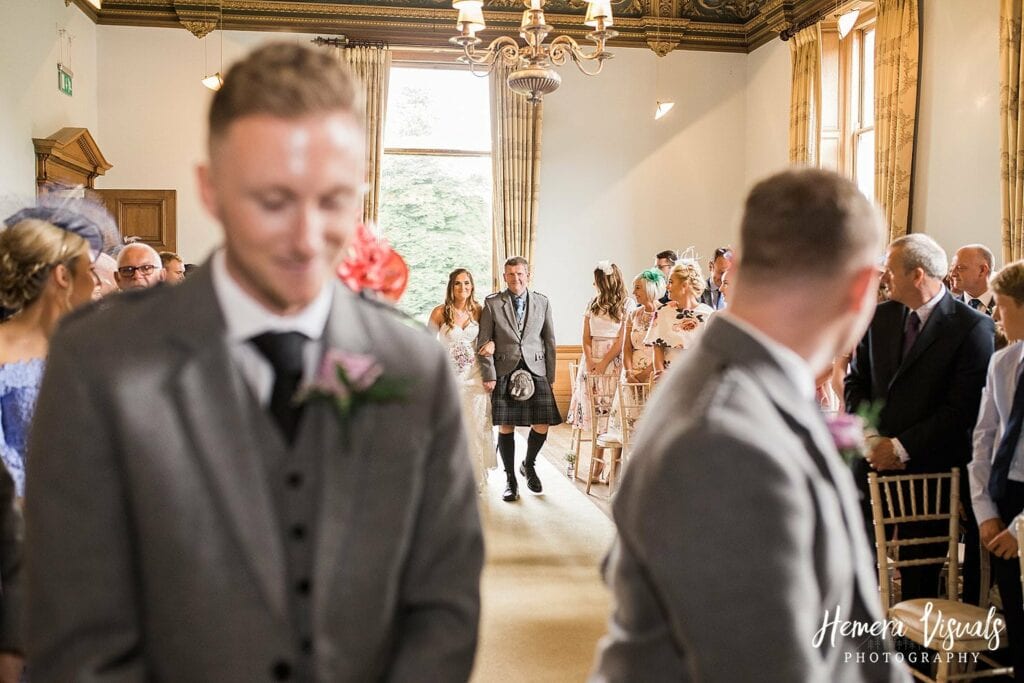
(502, 47)
(564, 47)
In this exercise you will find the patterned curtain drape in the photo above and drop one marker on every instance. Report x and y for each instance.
(372, 66)
(897, 71)
(805, 98)
(1011, 183)
(515, 159)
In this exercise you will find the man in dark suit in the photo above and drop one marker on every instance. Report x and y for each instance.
(718, 267)
(924, 358)
(970, 273)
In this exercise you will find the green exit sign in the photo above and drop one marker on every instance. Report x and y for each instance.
(64, 77)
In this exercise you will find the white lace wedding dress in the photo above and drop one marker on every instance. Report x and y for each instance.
(476, 403)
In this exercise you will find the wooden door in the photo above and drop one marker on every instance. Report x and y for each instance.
(146, 214)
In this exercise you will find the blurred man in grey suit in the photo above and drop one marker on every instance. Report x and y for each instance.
(192, 517)
(739, 536)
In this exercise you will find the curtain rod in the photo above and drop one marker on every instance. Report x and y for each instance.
(814, 19)
(345, 41)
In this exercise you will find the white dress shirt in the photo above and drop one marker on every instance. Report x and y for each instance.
(988, 299)
(996, 403)
(246, 318)
(923, 312)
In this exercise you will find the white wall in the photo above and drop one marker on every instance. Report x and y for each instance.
(153, 115)
(956, 184)
(616, 184)
(767, 105)
(30, 103)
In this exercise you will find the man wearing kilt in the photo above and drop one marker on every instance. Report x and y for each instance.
(518, 321)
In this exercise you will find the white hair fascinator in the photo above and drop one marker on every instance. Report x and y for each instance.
(605, 267)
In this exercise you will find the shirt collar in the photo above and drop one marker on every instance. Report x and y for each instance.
(986, 298)
(927, 307)
(245, 317)
(792, 364)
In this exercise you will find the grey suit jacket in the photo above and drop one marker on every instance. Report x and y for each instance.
(738, 529)
(535, 346)
(155, 553)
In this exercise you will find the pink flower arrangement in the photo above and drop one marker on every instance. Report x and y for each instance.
(350, 380)
(373, 265)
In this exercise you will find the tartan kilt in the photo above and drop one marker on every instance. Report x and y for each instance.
(539, 409)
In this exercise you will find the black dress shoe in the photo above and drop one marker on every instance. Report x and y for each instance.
(532, 480)
(511, 489)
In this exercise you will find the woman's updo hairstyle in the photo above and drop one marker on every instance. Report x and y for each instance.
(690, 271)
(29, 249)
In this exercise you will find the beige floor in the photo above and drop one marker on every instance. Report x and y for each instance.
(544, 605)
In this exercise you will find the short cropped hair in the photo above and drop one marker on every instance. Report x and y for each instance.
(284, 80)
(807, 223)
(669, 254)
(1010, 282)
(918, 250)
(517, 261)
(169, 257)
(986, 254)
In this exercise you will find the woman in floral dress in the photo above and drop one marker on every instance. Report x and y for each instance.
(638, 358)
(679, 323)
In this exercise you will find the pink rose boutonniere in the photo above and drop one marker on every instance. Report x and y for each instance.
(851, 432)
(351, 380)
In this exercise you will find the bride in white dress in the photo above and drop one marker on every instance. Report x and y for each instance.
(457, 322)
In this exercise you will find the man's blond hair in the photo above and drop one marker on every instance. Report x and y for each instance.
(284, 80)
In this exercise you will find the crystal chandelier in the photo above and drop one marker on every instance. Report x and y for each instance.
(533, 62)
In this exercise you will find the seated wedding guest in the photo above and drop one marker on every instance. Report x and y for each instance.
(45, 271)
(664, 261)
(997, 467)
(723, 289)
(637, 357)
(969, 274)
(734, 534)
(174, 267)
(457, 323)
(719, 266)
(138, 267)
(602, 338)
(679, 323)
(104, 267)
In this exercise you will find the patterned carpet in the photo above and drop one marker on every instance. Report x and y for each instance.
(544, 604)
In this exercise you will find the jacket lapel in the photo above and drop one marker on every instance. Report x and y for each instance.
(510, 313)
(807, 418)
(211, 397)
(347, 446)
(930, 333)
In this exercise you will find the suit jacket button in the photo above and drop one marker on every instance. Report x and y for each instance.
(282, 670)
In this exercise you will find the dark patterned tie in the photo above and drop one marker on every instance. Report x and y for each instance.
(910, 333)
(1007, 445)
(976, 305)
(284, 351)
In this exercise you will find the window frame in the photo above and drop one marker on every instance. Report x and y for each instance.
(851, 87)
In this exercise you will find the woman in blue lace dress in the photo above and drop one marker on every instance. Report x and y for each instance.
(45, 271)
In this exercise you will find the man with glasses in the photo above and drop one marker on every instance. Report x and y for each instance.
(138, 267)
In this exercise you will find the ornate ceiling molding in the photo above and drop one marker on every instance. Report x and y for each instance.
(660, 25)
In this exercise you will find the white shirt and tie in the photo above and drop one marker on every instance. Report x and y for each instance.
(996, 402)
(246, 318)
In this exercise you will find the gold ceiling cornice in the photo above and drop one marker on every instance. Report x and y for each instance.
(661, 25)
